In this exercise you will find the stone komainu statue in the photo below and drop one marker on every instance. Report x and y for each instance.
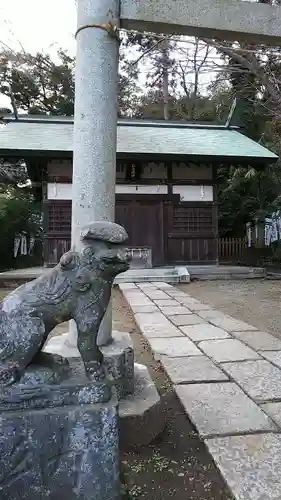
(78, 288)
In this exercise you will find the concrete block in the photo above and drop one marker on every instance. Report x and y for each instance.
(173, 347)
(222, 408)
(250, 465)
(183, 274)
(260, 379)
(192, 369)
(204, 331)
(224, 350)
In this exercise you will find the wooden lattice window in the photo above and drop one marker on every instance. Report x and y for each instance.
(59, 218)
(193, 219)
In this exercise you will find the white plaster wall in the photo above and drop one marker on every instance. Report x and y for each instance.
(194, 193)
(60, 191)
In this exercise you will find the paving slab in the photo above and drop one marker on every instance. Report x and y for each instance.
(223, 350)
(260, 379)
(157, 294)
(174, 348)
(162, 285)
(174, 310)
(272, 356)
(127, 286)
(192, 369)
(144, 309)
(175, 293)
(273, 410)
(225, 322)
(222, 408)
(166, 303)
(145, 285)
(185, 319)
(250, 465)
(196, 306)
(155, 324)
(203, 331)
(259, 340)
(138, 299)
(210, 314)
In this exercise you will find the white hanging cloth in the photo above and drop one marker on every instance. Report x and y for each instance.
(268, 231)
(274, 228)
(23, 245)
(249, 234)
(17, 239)
(31, 245)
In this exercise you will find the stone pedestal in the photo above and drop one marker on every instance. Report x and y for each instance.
(139, 409)
(59, 441)
(118, 359)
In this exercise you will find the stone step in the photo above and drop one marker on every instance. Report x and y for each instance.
(170, 275)
(206, 272)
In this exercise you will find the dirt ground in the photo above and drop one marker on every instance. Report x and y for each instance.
(257, 302)
(177, 466)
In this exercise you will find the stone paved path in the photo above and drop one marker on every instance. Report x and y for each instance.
(227, 375)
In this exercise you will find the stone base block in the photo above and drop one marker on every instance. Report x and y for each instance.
(118, 358)
(68, 451)
(141, 418)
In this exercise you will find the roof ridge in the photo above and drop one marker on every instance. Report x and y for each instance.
(133, 122)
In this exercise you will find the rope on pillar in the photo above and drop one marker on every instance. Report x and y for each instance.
(108, 27)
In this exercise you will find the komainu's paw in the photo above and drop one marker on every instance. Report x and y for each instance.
(95, 371)
(8, 375)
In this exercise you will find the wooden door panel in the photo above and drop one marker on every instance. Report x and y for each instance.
(143, 220)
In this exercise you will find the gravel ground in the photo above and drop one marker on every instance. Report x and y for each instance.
(257, 302)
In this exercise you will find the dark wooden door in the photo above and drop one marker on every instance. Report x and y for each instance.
(143, 220)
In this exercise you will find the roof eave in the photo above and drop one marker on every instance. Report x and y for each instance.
(146, 156)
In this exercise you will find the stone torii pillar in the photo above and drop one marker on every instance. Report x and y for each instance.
(95, 125)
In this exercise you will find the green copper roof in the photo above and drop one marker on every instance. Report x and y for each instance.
(135, 138)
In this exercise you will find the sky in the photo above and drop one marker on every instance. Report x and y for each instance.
(27, 24)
